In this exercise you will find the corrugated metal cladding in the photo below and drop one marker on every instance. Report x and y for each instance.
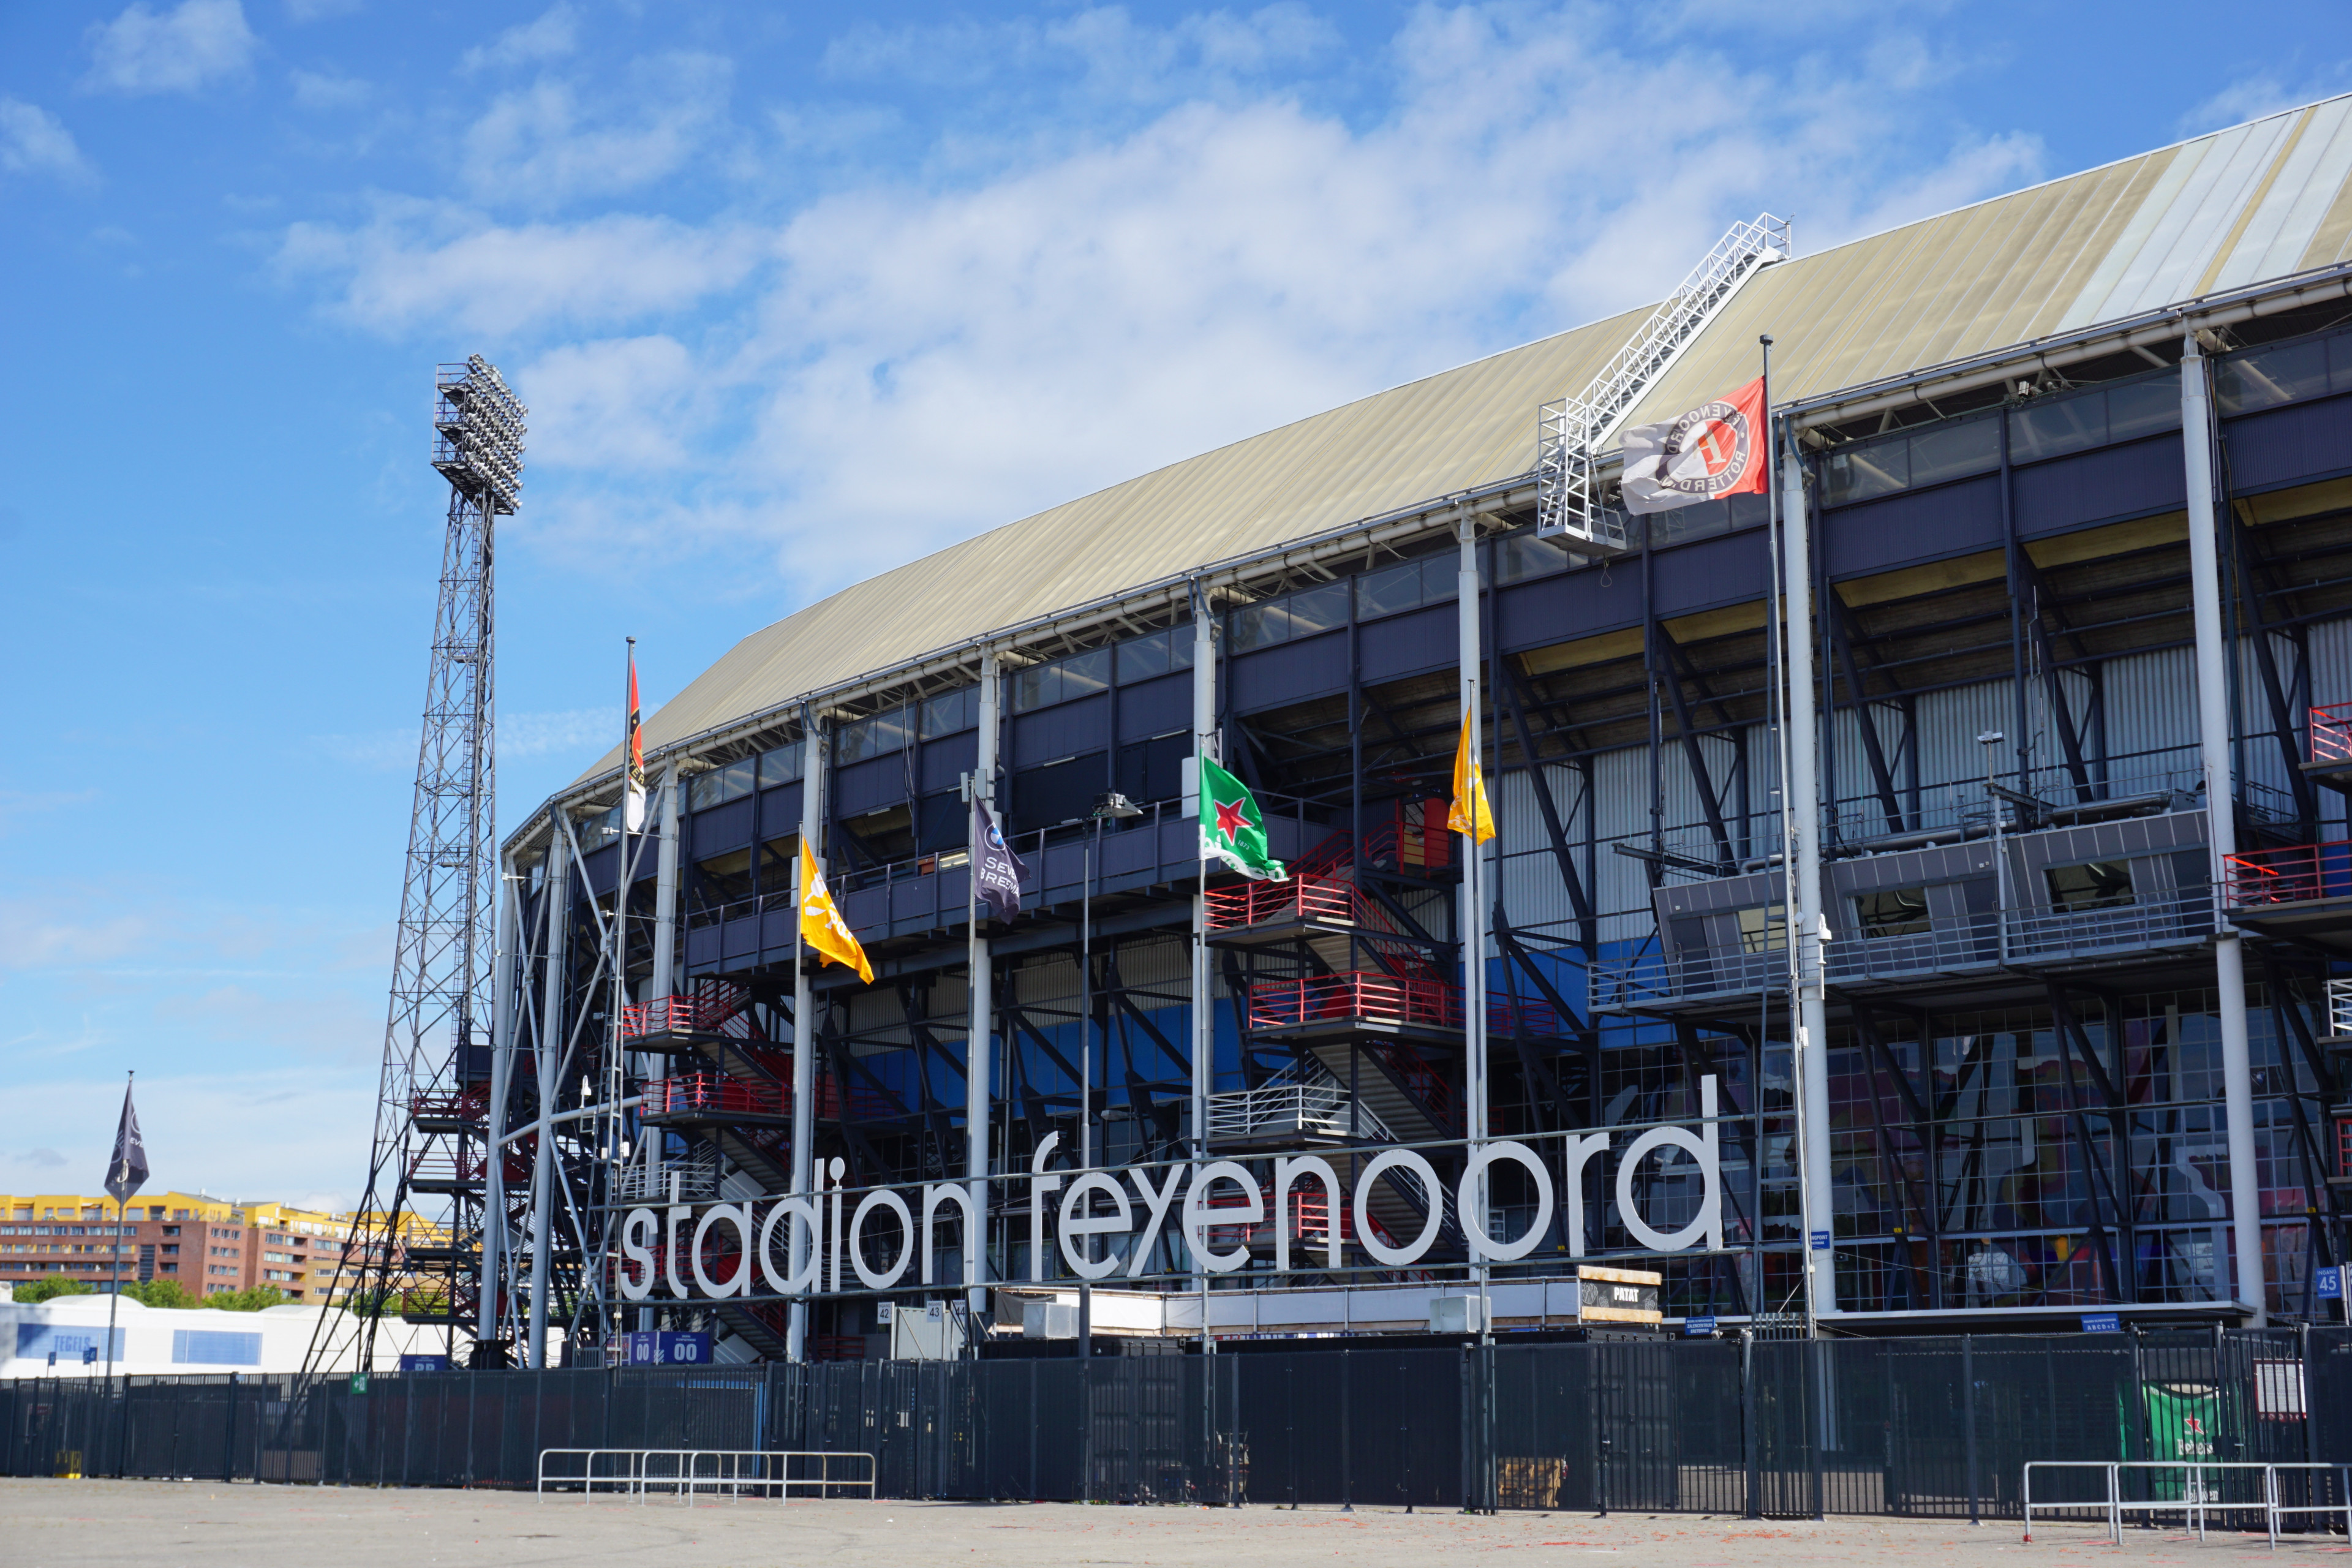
(2151, 719)
(2255, 202)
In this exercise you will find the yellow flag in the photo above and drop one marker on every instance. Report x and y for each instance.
(821, 926)
(1470, 813)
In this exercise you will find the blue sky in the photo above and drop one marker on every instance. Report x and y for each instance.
(794, 293)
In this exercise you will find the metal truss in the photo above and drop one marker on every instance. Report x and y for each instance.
(416, 1236)
(1570, 431)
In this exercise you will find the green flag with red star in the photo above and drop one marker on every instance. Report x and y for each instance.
(1231, 828)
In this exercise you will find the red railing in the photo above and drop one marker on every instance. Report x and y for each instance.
(469, 1105)
(1303, 896)
(1365, 995)
(720, 1094)
(713, 1007)
(2331, 733)
(1310, 1221)
(2295, 874)
(1414, 838)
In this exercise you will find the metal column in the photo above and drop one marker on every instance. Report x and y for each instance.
(979, 1007)
(547, 1052)
(2221, 803)
(1474, 911)
(502, 1045)
(813, 815)
(1811, 1047)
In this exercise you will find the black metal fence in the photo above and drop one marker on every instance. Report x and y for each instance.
(1930, 1427)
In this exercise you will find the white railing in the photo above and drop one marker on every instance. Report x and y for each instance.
(2200, 1481)
(1570, 431)
(2339, 1008)
(1319, 1110)
(683, 1472)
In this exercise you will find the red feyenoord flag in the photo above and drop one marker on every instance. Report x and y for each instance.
(636, 814)
(1715, 450)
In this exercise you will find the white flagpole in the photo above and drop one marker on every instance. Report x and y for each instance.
(1474, 909)
(1204, 1036)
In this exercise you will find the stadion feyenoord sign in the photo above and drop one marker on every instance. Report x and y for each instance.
(724, 1249)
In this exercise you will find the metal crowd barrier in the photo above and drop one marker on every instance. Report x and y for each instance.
(760, 1471)
(2196, 1500)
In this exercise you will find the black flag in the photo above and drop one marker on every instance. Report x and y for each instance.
(126, 1171)
(998, 874)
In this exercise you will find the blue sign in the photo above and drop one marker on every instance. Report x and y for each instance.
(664, 1347)
(2101, 1324)
(2331, 1284)
(425, 1364)
(1697, 1328)
(1820, 1241)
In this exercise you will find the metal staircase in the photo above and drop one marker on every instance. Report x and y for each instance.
(1570, 431)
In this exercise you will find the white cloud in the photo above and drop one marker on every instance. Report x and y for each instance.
(618, 402)
(554, 34)
(543, 146)
(2263, 94)
(1051, 305)
(35, 141)
(372, 751)
(422, 262)
(181, 51)
(327, 90)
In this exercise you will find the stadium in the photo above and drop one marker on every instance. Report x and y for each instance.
(2029, 1018)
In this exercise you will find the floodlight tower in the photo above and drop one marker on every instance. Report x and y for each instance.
(415, 1241)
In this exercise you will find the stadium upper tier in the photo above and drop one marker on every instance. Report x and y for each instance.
(2226, 212)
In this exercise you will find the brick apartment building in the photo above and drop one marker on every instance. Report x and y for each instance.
(209, 1245)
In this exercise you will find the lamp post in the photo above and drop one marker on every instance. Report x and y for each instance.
(1111, 807)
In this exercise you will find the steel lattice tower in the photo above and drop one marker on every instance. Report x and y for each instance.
(415, 1241)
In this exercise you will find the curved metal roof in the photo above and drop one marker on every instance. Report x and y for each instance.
(2258, 201)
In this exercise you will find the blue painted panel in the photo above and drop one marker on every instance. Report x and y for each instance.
(1288, 672)
(780, 812)
(1061, 731)
(602, 867)
(1571, 605)
(741, 939)
(948, 760)
(869, 786)
(702, 946)
(775, 929)
(1411, 644)
(867, 910)
(1155, 707)
(718, 830)
(1728, 570)
(1907, 529)
(2135, 479)
(914, 903)
(2293, 445)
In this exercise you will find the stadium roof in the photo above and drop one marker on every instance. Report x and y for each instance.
(2257, 202)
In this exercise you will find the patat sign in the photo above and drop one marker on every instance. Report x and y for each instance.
(814, 1244)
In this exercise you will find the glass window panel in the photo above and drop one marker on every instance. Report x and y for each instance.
(1084, 672)
(890, 731)
(2057, 424)
(1180, 647)
(781, 766)
(1892, 911)
(1950, 451)
(1858, 473)
(2267, 377)
(2339, 361)
(1318, 609)
(1441, 579)
(1389, 590)
(1764, 930)
(702, 791)
(2095, 885)
(851, 742)
(1141, 658)
(1034, 687)
(1523, 557)
(1258, 626)
(955, 710)
(2143, 407)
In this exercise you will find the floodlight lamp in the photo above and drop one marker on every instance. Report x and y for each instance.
(1990, 738)
(1115, 806)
